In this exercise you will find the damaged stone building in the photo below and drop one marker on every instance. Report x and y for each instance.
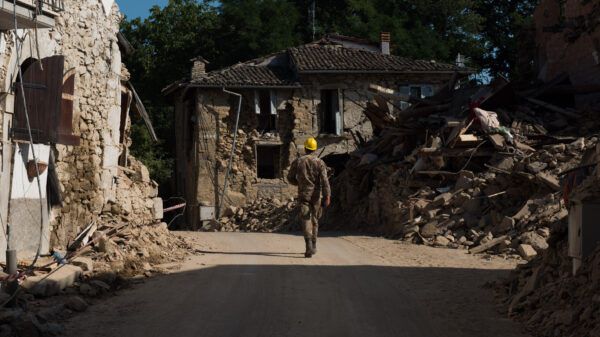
(315, 90)
(567, 41)
(76, 94)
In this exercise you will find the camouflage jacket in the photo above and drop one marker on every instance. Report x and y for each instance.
(310, 174)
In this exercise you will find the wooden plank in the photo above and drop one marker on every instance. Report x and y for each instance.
(142, 111)
(524, 147)
(65, 127)
(497, 140)
(459, 130)
(468, 140)
(491, 244)
(553, 107)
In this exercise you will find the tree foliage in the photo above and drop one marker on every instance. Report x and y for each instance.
(230, 31)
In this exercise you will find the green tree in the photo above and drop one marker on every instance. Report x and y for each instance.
(503, 20)
(255, 28)
(164, 43)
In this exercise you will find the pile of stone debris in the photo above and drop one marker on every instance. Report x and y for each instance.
(544, 294)
(548, 299)
(117, 256)
(446, 172)
(263, 215)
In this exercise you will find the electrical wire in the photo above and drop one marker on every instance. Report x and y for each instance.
(37, 171)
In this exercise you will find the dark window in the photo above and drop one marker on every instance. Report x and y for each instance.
(267, 161)
(415, 92)
(329, 111)
(265, 110)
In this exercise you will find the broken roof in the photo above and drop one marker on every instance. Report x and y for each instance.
(249, 74)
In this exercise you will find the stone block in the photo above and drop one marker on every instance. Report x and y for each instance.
(441, 199)
(441, 241)
(85, 263)
(535, 240)
(48, 285)
(157, 209)
(527, 252)
(76, 303)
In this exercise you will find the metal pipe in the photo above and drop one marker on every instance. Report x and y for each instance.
(13, 283)
(237, 120)
(174, 208)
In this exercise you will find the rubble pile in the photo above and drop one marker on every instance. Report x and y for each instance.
(263, 215)
(54, 291)
(477, 168)
(545, 296)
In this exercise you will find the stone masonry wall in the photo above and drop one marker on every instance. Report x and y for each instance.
(568, 40)
(91, 183)
(298, 119)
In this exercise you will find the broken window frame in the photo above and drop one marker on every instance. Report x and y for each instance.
(426, 90)
(267, 120)
(277, 169)
(332, 106)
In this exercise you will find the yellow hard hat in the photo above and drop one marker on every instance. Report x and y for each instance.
(310, 144)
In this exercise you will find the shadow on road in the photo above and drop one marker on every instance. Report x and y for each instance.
(287, 255)
(303, 300)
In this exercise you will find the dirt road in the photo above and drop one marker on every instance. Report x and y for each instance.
(252, 284)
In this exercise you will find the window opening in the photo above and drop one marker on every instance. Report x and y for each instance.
(329, 111)
(268, 161)
(415, 92)
(265, 110)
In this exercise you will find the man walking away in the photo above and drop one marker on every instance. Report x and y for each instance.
(310, 174)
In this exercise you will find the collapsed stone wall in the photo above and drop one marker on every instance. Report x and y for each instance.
(90, 180)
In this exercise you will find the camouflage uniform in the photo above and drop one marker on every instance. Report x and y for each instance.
(310, 174)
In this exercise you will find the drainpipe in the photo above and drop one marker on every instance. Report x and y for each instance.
(237, 120)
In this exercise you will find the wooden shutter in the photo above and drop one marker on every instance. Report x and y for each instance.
(257, 102)
(273, 98)
(65, 128)
(43, 93)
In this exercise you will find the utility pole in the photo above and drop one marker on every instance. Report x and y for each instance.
(313, 20)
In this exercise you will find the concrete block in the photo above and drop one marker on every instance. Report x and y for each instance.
(158, 208)
(48, 285)
(527, 252)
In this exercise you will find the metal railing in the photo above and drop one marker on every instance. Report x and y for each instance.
(54, 5)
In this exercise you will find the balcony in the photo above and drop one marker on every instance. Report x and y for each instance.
(28, 14)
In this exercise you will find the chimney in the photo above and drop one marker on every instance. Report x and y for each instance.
(199, 67)
(385, 43)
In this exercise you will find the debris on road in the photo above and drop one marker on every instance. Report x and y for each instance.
(263, 215)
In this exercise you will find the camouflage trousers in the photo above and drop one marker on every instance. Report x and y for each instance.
(310, 212)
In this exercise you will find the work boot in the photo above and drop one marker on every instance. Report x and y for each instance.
(314, 246)
(309, 248)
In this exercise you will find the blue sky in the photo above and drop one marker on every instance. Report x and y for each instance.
(138, 8)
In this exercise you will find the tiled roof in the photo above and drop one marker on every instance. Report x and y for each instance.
(251, 73)
(277, 69)
(327, 57)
